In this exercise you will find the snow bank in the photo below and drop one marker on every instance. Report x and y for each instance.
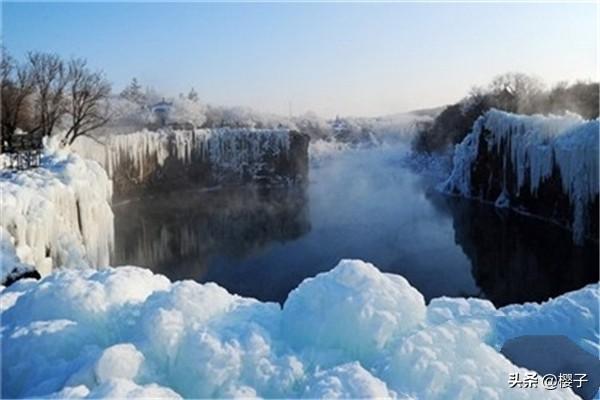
(394, 307)
(507, 158)
(352, 332)
(58, 214)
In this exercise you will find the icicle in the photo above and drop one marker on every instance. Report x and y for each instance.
(536, 146)
(228, 151)
(59, 214)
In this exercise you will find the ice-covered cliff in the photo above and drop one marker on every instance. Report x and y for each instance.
(352, 332)
(171, 158)
(55, 215)
(542, 165)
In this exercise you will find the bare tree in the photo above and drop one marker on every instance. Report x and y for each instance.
(16, 88)
(516, 92)
(50, 77)
(87, 100)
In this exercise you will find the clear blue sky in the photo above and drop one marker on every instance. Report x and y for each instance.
(347, 59)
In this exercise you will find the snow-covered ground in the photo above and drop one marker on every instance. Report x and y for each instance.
(352, 332)
(537, 147)
(55, 215)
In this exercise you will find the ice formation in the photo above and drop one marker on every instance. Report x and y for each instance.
(533, 148)
(11, 267)
(58, 214)
(228, 150)
(352, 332)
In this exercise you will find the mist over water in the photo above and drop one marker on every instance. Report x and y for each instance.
(358, 204)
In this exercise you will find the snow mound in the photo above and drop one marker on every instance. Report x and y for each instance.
(347, 381)
(126, 332)
(53, 215)
(370, 309)
(532, 149)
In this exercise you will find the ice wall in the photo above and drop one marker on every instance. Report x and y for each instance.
(58, 214)
(352, 332)
(542, 165)
(204, 157)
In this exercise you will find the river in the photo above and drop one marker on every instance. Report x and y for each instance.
(367, 204)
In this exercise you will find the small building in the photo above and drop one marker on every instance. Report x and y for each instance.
(161, 111)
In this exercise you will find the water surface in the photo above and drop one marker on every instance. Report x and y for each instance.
(363, 204)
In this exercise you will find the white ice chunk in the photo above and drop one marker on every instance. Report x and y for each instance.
(119, 361)
(370, 308)
(347, 381)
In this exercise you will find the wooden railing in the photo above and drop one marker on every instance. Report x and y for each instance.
(23, 151)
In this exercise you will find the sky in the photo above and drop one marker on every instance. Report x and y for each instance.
(360, 59)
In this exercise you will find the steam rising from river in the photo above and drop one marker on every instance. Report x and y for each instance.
(365, 203)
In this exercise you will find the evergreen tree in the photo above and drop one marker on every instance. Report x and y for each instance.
(133, 92)
(193, 95)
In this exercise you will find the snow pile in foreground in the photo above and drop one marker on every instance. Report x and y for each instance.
(352, 332)
(58, 214)
(532, 148)
(226, 149)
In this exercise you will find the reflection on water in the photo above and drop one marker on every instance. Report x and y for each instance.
(364, 204)
(515, 258)
(179, 234)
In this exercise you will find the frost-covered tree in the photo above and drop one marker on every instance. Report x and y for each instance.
(187, 111)
(313, 125)
(127, 116)
(134, 92)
